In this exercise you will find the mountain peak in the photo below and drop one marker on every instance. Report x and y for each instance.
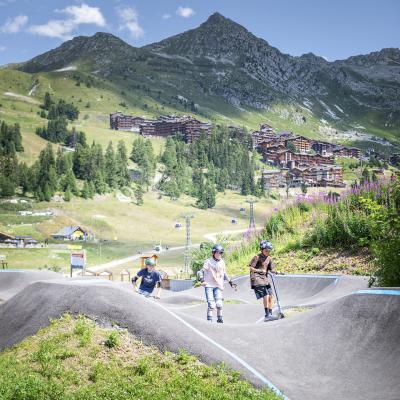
(218, 38)
(217, 21)
(80, 47)
(216, 18)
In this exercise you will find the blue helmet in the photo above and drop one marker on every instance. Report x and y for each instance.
(217, 248)
(265, 245)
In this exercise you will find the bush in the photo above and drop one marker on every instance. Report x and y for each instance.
(112, 340)
(84, 330)
(368, 216)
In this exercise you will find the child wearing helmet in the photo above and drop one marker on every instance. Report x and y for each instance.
(260, 266)
(212, 277)
(150, 279)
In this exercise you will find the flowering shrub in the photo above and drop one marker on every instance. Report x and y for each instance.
(367, 215)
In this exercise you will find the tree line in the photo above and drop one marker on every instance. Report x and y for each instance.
(210, 164)
(10, 144)
(58, 115)
(53, 172)
(223, 160)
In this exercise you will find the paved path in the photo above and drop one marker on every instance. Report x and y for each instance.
(344, 346)
(112, 264)
(120, 261)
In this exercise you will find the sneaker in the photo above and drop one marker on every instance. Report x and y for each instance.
(209, 319)
(267, 318)
(220, 320)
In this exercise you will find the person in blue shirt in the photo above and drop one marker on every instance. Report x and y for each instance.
(150, 279)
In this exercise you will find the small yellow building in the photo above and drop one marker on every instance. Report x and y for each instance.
(70, 233)
(143, 259)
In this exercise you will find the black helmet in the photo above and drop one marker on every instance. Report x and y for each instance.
(217, 248)
(265, 245)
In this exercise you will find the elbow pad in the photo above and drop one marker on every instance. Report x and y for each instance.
(135, 279)
(200, 275)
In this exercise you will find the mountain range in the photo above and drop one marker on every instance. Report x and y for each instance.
(222, 61)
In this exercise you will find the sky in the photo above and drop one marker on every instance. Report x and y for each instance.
(333, 29)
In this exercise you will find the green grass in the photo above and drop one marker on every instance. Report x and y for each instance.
(290, 229)
(105, 96)
(75, 359)
(125, 228)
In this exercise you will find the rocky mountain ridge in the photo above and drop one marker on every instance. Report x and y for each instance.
(221, 58)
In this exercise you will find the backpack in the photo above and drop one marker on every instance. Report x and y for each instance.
(257, 279)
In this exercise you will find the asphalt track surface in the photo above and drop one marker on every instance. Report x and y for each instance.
(344, 344)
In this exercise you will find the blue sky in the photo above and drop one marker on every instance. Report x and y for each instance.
(334, 29)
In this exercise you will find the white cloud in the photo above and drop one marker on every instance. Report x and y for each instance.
(55, 28)
(85, 14)
(14, 25)
(166, 16)
(3, 48)
(129, 20)
(62, 28)
(185, 12)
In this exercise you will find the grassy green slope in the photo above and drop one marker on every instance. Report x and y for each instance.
(125, 226)
(75, 359)
(103, 97)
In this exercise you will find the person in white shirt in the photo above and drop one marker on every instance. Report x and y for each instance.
(212, 277)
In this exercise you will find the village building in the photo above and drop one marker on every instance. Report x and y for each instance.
(301, 143)
(283, 157)
(266, 128)
(266, 140)
(272, 178)
(344, 151)
(318, 175)
(324, 148)
(163, 126)
(70, 233)
(121, 122)
(195, 128)
(260, 137)
(17, 241)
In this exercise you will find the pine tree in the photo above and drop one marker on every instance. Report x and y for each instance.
(99, 182)
(23, 178)
(85, 192)
(46, 183)
(138, 193)
(48, 102)
(46, 192)
(200, 192)
(7, 187)
(259, 189)
(69, 183)
(138, 150)
(209, 195)
(92, 190)
(110, 167)
(121, 165)
(67, 195)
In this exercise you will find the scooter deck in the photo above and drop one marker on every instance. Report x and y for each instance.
(273, 319)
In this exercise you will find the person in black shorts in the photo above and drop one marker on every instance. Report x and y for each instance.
(260, 266)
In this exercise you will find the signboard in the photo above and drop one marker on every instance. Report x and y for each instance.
(78, 261)
(74, 247)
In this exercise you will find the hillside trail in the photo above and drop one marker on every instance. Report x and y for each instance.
(115, 263)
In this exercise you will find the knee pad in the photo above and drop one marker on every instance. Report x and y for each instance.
(211, 305)
(219, 303)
